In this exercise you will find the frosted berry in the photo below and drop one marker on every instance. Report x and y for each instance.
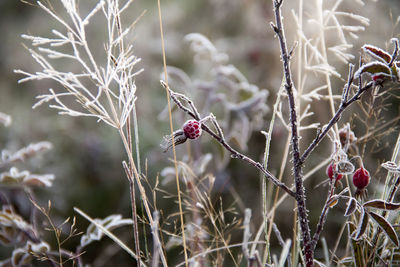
(361, 178)
(330, 171)
(347, 136)
(192, 129)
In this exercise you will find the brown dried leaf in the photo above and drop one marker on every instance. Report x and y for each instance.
(362, 226)
(351, 207)
(377, 53)
(383, 205)
(386, 227)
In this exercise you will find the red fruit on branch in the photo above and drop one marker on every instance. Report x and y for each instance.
(331, 170)
(361, 178)
(192, 129)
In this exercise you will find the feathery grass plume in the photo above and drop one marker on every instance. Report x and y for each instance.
(16, 177)
(325, 32)
(99, 84)
(103, 88)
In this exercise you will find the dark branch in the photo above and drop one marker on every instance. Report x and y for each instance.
(298, 178)
(220, 139)
(343, 105)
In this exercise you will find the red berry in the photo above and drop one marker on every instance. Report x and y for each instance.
(330, 171)
(361, 178)
(192, 129)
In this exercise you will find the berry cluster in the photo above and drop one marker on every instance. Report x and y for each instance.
(361, 177)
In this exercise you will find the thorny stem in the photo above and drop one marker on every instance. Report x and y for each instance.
(220, 139)
(298, 177)
(324, 213)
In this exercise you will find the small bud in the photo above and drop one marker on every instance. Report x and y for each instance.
(347, 136)
(361, 178)
(331, 171)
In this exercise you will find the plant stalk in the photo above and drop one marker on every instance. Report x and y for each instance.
(297, 168)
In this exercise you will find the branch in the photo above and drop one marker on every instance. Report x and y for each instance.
(343, 105)
(298, 178)
(220, 139)
(330, 202)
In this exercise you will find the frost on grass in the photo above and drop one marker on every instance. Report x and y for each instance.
(16, 177)
(14, 232)
(24, 255)
(103, 88)
(93, 233)
(24, 153)
(326, 31)
(391, 167)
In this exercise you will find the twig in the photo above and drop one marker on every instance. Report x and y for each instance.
(246, 233)
(220, 138)
(298, 177)
(335, 119)
(324, 213)
(346, 90)
(281, 241)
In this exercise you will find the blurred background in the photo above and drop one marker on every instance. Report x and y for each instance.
(86, 158)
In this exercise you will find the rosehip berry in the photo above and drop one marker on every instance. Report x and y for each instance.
(361, 178)
(192, 129)
(330, 171)
(347, 136)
